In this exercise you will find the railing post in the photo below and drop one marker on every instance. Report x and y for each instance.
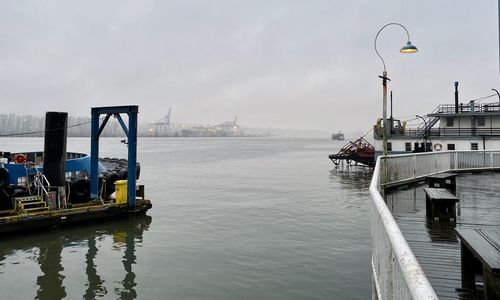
(491, 160)
(436, 163)
(414, 167)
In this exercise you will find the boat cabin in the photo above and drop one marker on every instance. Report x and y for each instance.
(472, 126)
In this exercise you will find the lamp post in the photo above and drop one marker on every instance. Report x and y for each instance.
(424, 134)
(408, 48)
(498, 94)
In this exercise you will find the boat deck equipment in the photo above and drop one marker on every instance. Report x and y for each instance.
(70, 187)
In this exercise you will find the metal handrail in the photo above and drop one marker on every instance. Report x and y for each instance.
(444, 132)
(418, 286)
(481, 107)
(397, 274)
(39, 181)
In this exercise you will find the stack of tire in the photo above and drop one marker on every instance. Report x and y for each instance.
(115, 169)
(9, 192)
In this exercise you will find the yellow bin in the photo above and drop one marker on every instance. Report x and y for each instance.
(121, 191)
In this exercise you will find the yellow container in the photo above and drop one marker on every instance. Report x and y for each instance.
(121, 191)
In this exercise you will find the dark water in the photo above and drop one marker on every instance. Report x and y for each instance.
(232, 218)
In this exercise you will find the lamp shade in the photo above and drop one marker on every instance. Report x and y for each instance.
(408, 48)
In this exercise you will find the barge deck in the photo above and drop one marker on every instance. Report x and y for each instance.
(11, 221)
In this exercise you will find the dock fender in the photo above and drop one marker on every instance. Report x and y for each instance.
(81, 188)
(4, 177)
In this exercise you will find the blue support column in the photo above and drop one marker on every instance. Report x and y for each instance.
(94, 154)
(131, 133)
(132, 158)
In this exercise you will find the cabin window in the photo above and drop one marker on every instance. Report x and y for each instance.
(481, 121)
(474, 146)
(389, 146)
(428, 146)
(450, 121)
(450, 147)
(408, 147)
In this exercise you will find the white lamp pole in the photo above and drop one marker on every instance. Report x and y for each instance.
(408, 48)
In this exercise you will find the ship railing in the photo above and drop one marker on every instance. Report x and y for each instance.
(444, 132)
(396, 272)
(41, 183)
(467, 108)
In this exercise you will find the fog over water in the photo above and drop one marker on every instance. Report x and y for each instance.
(280, 63)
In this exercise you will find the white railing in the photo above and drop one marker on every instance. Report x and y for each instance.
(396, 272)
(411, 167)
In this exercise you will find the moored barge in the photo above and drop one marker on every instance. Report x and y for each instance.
(55, 187)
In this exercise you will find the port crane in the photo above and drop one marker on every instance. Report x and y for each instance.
(163, 125)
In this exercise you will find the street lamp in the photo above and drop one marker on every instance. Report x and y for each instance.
(424, 134)
(408, 48)
(498, 94)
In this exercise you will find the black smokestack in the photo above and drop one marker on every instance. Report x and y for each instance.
(54, 153)
(456, 97)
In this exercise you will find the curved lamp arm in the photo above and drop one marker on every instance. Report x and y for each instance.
(425, 123)
(498, 94)
(409, 46)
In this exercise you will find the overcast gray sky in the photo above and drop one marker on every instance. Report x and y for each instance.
(287, 64)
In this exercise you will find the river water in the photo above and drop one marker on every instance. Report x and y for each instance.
(232, 218)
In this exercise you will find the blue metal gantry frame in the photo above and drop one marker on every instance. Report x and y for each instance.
(131, 133)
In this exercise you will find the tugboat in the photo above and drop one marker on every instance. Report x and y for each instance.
(55, 187)
(338, 136)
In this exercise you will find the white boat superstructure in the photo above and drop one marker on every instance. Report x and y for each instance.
(473, 126)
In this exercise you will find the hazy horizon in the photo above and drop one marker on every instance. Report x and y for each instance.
(275, 64)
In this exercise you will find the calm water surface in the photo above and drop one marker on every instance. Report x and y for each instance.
(232, 218)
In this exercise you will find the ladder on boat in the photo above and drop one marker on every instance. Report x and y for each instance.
(426, 126)
(30, 204)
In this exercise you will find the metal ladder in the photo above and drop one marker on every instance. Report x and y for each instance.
(34, 203)
(426, 126)
(31, 204)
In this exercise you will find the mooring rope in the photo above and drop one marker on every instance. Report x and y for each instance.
(43, 131)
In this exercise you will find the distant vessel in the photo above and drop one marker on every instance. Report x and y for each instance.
(338, 136)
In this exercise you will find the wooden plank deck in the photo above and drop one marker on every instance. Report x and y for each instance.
(435, 244)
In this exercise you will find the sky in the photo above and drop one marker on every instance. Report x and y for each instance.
(282, 64)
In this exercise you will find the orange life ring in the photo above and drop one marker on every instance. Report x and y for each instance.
(438, 147)
(20, 158)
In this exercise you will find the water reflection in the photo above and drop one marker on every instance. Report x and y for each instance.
(352, 177)
(407, 204)
(125, 235)
(51, 281)
(404, 200)
(94, 281)
(129, 257)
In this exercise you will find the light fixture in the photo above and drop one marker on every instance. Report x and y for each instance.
(408, 48)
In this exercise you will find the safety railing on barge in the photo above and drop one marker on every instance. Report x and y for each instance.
(396, 272)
